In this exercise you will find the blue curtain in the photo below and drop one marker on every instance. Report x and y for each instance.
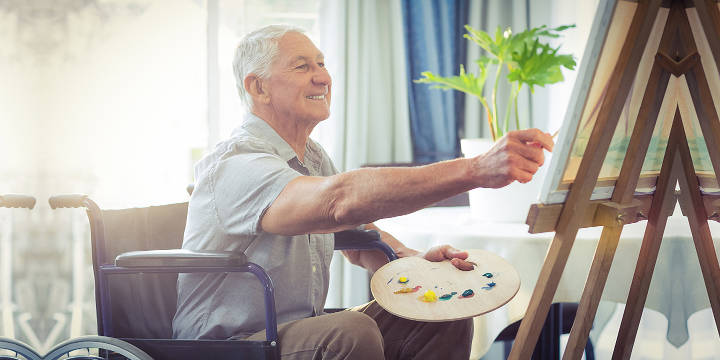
(434, 42)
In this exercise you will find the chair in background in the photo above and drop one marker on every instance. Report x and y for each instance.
(558, 322)
(136, 259)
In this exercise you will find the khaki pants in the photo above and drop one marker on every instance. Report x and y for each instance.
(369, 332)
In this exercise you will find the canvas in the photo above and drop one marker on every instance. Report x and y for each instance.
(611, 24)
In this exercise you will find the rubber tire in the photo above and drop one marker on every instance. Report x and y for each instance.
(131, 352)
(20, 348)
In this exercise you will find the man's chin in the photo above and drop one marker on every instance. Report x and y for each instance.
(323, 116)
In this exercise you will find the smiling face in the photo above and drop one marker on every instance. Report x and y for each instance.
(299, 85)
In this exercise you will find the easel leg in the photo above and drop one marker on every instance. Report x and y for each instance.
(706, 252)
(542, 296)
(691, 198)
(594, 286)
(693, 208)
(663, 203)
(624, 191)
(641, 279)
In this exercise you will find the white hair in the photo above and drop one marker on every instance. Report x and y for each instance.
(255, 54)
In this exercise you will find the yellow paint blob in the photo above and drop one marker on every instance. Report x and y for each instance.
(429, 296)
(403, 280)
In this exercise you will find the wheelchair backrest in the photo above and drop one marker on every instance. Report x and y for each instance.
(142, 306)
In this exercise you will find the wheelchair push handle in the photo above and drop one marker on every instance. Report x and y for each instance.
(17, 201)
(68, 201)
(363, 239)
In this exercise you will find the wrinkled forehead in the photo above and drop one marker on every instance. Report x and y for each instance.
(294, 47)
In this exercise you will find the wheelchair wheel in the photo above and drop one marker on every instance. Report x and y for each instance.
(15, 350)
(96, 348)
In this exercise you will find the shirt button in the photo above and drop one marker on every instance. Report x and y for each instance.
(314, 268)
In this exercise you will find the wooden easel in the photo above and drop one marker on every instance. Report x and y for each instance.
(677, 55)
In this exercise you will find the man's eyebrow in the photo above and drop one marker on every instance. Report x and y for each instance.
(305, 58)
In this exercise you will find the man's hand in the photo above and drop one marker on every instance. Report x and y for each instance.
(516, 156)
(444, 252)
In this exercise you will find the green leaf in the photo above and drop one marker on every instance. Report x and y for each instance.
(529, 62)
(465, 82)
(538, 64)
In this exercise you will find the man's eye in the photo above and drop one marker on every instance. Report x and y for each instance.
(302, 67)
(321, 64)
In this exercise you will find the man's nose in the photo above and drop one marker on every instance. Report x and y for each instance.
(322, 77)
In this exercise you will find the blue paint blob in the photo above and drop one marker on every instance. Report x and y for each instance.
(468, 293)
(489, 286)
(487, 275)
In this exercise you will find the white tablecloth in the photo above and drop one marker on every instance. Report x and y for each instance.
(677, 289)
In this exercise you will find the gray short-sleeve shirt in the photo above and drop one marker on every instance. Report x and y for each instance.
(234, 185)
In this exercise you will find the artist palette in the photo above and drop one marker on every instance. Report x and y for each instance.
(493, 283)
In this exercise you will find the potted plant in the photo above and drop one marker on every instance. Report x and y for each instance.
(529, 62)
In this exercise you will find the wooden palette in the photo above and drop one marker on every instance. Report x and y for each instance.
(444, 278)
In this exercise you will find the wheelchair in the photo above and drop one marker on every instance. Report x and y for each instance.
(86, 347)
(136, 257)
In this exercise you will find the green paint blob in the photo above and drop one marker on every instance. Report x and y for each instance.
(448, 296)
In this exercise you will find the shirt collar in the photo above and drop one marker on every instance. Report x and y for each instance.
(261, 129)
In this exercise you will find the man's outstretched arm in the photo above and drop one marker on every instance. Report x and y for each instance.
(311, 204)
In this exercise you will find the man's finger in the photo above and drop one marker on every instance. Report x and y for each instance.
(461, 264)
(522, 175)
(451, 253)
(532, 152)
(534, 135)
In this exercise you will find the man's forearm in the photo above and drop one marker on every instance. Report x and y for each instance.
(365, 195)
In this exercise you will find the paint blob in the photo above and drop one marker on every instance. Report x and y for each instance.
(448, 296)
(429, 296)
(403, 280)
(408, 290)
(488, 275)
(467, 294)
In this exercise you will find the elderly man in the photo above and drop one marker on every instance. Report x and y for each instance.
(273, 193)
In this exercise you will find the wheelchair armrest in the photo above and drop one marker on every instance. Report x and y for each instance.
(17, 201)
(188, 261)
(180, 258)
(68, 201)
(362, 240)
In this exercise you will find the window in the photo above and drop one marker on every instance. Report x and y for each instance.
(115, 99)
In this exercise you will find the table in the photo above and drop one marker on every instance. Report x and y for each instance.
(677, 289)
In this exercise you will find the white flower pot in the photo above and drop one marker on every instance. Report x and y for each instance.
(509, 204)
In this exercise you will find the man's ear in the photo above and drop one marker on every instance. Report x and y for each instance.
(254, 85)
